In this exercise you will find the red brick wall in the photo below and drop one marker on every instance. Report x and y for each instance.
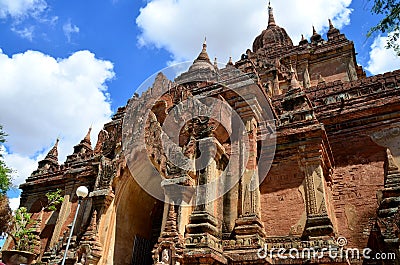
(282, 204)
(355, 202)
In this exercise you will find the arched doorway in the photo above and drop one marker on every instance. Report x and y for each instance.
(138, 223)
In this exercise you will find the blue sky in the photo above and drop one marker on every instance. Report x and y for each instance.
(69, 64)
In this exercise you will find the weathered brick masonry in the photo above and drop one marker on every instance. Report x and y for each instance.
(334, 173)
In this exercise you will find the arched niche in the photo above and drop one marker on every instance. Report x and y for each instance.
(135, 222)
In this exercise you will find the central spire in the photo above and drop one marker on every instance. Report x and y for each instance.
(273, 36)
(271, 19)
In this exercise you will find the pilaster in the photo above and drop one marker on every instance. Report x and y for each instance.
(203, 233)
(248, 233)
(315, 167)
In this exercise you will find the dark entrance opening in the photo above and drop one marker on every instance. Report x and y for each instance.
(142, 247)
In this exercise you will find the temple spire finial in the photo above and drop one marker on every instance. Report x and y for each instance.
(53, 153)
(303, 40)
(333, 33)
(87, 137)
(230, 62)
(330, 24)
(51, 159)
(203, 60)
(271, 19)
(203, 56)
(315, 36)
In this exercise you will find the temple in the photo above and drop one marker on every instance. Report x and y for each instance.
(310, 160)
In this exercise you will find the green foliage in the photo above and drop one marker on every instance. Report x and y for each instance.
(5, 172)
(5, 178)
(5, 184)
(2, 135)
(53, 200)
(23, 230)
(390, 9)
(23, 233)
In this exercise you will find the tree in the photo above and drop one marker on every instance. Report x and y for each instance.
(5, 172)
(5, 184)
(389, 24)
(22, 229)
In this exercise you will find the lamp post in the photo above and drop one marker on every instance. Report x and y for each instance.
(82, 192)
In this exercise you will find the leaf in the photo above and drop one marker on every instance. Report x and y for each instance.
(389, 23)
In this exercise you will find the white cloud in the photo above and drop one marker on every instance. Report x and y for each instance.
(44, 98)
(21, 8)
(26, 16)
(69, 29)
(179, 26)
(381, 59)
(23, 166)
(25, 32)
(14, 203)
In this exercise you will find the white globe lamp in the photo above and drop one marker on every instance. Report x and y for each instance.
(82, 192)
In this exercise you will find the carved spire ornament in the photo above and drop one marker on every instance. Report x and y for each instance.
(83, 149)
(315, 37)
(87, 137)
(332, 32)
(203, 56)
(202, 62)
(51, 159)
(90, 247)
(170, 243)
(303, 40)
(271, 19)
(230, 61)
(52, 155)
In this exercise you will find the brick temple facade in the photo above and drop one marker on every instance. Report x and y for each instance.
(329, 145)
